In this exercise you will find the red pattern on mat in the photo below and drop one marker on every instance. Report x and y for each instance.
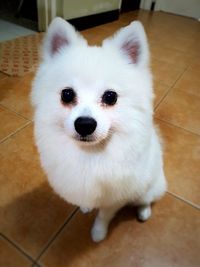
(20, 55)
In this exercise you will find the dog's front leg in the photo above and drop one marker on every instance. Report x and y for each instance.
(100, 227)
(144, 212)
(85, 210)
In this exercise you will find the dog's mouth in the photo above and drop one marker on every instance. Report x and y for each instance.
(93, 139)
(86, 139)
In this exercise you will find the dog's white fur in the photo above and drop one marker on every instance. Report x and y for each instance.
(123, 164)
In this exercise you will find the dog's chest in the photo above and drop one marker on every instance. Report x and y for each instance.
(94, 182)
(92, 179)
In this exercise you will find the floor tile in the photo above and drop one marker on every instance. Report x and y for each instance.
(129, 16)
(92, 37)
(164, 23)
(194, 46)
(30, 213)
(165, 73)
(181, 43)
(96, 35)
(195, 65)
(9, 122)
(181, 109)
(10, 256)
(169, 238)
(189, 82)
(182, 157)
(15, 94)
(172, 56)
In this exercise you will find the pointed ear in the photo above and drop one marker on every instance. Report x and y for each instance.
(60, 34)
(132, 42)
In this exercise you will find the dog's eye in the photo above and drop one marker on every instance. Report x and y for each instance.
(68, 95)
(109, 98)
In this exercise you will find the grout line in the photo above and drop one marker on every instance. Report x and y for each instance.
(15, 132)
(176, 126)
(190, 203)
(168, 91)
(16, 113)
(170, 88)
(162, 98)
(56, 235)
(18, 248)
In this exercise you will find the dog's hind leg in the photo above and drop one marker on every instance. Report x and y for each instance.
(100, 227)
(155, 192)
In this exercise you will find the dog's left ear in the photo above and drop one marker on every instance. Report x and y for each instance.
(132, 42)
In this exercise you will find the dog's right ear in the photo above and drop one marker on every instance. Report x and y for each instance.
(60, 34)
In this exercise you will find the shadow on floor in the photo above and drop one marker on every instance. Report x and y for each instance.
(37, 217)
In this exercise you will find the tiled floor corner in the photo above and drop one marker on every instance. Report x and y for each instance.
(41, 230)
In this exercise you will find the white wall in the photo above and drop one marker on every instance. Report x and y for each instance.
(189, 8)
(69, 9)
(79, 8)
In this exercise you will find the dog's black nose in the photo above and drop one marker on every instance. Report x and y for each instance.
(85, 125)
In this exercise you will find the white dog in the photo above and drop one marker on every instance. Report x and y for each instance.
(93, 122)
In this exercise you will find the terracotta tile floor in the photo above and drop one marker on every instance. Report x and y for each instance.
(37, 228)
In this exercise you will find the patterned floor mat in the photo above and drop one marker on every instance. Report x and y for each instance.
(20, 55)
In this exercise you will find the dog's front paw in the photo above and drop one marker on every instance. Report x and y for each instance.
(99, 231)
(85, 210)
(144, 213)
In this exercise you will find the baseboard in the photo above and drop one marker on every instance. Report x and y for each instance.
(94, 20)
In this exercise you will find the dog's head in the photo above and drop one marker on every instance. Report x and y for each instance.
(91, 93)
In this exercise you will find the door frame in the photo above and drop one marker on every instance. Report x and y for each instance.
(46, 12)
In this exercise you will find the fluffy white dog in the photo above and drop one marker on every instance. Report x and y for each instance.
(93, 122)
